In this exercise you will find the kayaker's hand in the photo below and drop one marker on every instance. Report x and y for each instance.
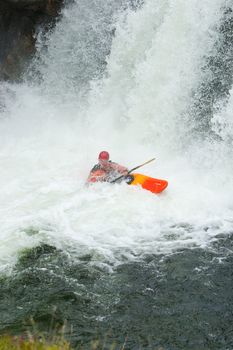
(129, 179)
(125, 172)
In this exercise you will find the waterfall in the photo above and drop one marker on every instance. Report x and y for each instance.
(126, 77)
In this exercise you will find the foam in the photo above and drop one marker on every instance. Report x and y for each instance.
(50, 140)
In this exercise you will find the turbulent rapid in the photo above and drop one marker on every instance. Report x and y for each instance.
(141, 80)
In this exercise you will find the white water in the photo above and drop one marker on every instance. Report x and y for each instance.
(52, 132)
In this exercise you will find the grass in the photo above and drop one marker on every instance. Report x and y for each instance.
(29, 343)
(19, 343)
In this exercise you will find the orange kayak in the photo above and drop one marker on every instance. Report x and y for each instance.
(147, 182)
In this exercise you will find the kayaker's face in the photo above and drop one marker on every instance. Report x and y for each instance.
(103, 162)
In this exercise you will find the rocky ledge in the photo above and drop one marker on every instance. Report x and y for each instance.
(19, 20)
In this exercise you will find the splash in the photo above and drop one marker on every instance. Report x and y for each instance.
(121, 79)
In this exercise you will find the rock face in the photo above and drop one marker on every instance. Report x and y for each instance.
(19, 20)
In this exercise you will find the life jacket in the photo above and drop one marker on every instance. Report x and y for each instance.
(108, 173)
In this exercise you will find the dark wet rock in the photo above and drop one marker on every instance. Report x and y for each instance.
(49, 7)
(19, 20)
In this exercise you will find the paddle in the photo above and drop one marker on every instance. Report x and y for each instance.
(130, 171)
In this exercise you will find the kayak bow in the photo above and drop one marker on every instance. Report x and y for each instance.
(147, 182)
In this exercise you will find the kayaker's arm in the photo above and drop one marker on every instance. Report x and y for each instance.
(96, 175)
(119, 168)
(130, 171)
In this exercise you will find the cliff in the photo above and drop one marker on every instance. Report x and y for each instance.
(19, 21)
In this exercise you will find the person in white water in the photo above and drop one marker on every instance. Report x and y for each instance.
(106, 170)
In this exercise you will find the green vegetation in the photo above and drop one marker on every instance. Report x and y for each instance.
(30, 343)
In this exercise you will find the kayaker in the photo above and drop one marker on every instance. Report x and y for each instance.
(106, 170)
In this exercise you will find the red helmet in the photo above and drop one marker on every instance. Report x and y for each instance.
(104, 155)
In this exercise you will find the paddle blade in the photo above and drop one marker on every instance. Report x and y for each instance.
(149, 183)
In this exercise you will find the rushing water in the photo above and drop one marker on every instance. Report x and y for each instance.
(140, 79)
